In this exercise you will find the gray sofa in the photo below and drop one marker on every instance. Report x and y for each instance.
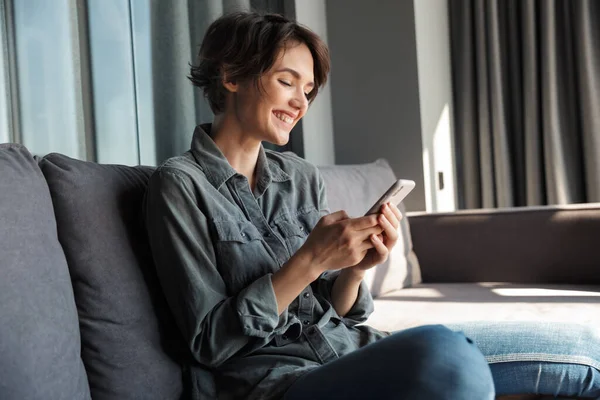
(82, 314)
(524, 264)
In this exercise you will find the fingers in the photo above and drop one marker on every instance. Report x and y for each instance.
(365, 245)
(396, 211)
(365, 235)
(336, 216)
(380, 247)
(391, 232)
(392, 214)
(389, 223)
(361, 223)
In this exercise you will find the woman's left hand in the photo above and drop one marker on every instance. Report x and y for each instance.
(389, 221)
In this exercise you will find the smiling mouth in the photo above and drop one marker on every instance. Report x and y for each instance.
(284, 117)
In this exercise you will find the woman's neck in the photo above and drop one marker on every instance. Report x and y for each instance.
(240, 149)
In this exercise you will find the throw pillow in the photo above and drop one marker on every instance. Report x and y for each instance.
(130, 345)
(40, 350)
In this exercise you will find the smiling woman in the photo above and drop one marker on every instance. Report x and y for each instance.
(257, 49)
(265, 284)
(289, 64)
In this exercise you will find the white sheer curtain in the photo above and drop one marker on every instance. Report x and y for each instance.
(5, 126)
(47, 54)
(105, 80)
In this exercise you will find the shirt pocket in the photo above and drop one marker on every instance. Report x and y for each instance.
(241, 254)
(294, 229)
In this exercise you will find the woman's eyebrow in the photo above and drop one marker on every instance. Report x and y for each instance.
(296, 75)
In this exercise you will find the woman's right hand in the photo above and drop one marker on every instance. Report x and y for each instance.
(338, 241)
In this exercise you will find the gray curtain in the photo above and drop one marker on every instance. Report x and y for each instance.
(177, 29)
(526, 81)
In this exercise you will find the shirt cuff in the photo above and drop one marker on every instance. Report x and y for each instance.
(361, 309)
(257, 310)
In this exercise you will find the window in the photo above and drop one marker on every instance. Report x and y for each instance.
(105, 80)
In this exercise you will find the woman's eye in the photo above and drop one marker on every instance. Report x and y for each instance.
(285, 83)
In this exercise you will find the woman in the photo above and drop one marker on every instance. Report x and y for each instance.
(264, 283)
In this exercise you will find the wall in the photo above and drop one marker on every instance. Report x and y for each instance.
(374, 86)
(435, 98)
(317, 125)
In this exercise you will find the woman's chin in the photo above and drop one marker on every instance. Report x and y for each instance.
(281, 141)
(280, 138)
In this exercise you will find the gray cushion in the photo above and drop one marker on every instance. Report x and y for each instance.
(39, 334)
(130, 345)
(355, 188)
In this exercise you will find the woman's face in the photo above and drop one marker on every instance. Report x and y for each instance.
(271, 114)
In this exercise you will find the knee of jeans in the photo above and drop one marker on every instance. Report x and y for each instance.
(444, 353)
(439, 338)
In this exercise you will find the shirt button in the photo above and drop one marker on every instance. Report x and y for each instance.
(306, 322)
(243, 234)
(301, 228)
(267, 234)
(306, 295)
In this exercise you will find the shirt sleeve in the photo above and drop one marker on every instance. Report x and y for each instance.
(363, 306)
(216, 326)
(361, 309)
(323, 204)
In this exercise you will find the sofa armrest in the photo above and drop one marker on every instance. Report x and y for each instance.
(549, 244)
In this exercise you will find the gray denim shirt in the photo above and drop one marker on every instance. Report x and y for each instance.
(216, 244)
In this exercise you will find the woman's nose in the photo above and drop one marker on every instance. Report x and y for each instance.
(300, 101)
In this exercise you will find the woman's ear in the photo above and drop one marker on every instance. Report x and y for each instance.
(230, 85)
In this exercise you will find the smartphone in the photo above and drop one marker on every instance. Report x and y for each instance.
(395, 194)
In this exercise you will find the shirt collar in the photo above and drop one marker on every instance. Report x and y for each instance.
(218, 170)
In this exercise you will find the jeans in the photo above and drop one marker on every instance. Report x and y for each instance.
(427, 362)
(539, 358)
(422, 363)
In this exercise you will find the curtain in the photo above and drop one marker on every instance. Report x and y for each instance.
(177, 29)
(113, 86)
(526, 83)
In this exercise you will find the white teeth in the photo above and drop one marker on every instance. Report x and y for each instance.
(284, 118)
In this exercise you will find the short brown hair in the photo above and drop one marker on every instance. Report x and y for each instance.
(245, 46)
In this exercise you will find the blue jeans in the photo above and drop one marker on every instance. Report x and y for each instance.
(422, 363)
(428, 362)
(539, 358)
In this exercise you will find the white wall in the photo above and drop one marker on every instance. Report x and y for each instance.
(435, 100)
(377, 110)
(317, 125)
(374, 83)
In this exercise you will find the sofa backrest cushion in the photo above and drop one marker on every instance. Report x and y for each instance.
(355, 188)
(130, 345)
(39, 332)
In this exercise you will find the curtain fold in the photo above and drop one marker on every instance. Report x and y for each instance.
(526, 79)
(177, 29)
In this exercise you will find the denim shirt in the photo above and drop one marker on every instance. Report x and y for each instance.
(216, 244)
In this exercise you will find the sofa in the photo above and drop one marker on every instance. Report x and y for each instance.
(82, 314)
